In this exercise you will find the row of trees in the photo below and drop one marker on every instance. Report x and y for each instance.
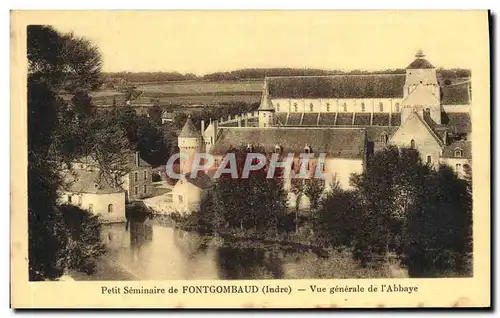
(116, 80)
(399, 206)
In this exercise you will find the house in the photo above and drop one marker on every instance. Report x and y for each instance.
(189, 192)
(90, 191)
(167, 117)
(137, 174)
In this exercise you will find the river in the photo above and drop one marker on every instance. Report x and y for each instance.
(146, 251)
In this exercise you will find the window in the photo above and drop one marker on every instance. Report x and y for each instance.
(458, 153)
(110, 208)
(265, 125)
(278, 107)
(79, 200)
(145, 175)
(429, 160)
(397, 107)
(311, 107)
(69, 198)
(458, 167)
(381, 107)
(181, 199)
(412, 144)
(383, 138)
(307, 149)
(264, 115)
(136, 176)
(277, 149)
(363, 108)
(136, 190)
(249, 147)
(145, 188)
(428, 111)
(327, 107)
(345, 107)
(295, 108)
(91, 208)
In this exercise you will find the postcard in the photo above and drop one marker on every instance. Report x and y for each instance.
(250, 159)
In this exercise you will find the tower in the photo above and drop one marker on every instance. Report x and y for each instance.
(266, 109)
(190, 143)
(421, 90)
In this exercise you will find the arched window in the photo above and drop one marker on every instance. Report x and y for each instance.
(412, 144)
(458, 153)
(429, 160)
(327, 107)
(363, 108)
(307, 149)
(345, 107)
(381, 106)
(383, 138)
(311, 107)
(295, 107)
(110, 208)
(427, 110)
(397, 107)
(278, 107)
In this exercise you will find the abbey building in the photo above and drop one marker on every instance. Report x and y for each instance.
(350, 117)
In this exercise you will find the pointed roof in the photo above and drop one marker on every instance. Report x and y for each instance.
(420, 96)
(189, 130)
(266, 103)
(426, 125)
(420, 62)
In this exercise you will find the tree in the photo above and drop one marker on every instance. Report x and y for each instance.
(82, 104)
(314, 189)
(298, 188)
(155, 113)
(54, 62)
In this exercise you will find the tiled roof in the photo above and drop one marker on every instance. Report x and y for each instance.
(344, 119)
(420, 63)
(86, 181)
(326, 119)
(294, 119)
(457, 122)
(337, 86)
(362, 119)
(455, 95)
(380, 119)
(189, 130)
(310, 119)
(202, 180)
(336, 142)
(464, 145)
(396, 119)
(281, 119)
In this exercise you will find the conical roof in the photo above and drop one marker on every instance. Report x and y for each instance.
(189, 130)
(420, 62)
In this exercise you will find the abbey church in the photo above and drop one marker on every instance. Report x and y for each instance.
(350, 117)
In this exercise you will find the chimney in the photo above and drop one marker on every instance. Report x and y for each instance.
(238, 118)
(202, 126)
(137, 158)
(246, 120)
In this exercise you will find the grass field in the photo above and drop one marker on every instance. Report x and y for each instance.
(189, 92)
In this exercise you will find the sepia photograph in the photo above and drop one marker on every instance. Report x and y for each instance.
(205, 147)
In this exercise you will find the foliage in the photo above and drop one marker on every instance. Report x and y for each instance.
(55, 62)
(81, 236)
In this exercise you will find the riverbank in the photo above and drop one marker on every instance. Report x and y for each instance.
(106, 269)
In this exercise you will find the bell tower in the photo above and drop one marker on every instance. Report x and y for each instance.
(421, 89)
(266, 109)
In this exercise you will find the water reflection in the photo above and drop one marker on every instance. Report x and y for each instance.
(148, 251)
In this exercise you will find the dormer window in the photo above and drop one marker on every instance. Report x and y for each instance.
(307, 149)
(458, 153)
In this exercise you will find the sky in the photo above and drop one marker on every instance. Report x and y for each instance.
(202, 42)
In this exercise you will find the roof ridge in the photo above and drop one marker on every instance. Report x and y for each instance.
(334, 75)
